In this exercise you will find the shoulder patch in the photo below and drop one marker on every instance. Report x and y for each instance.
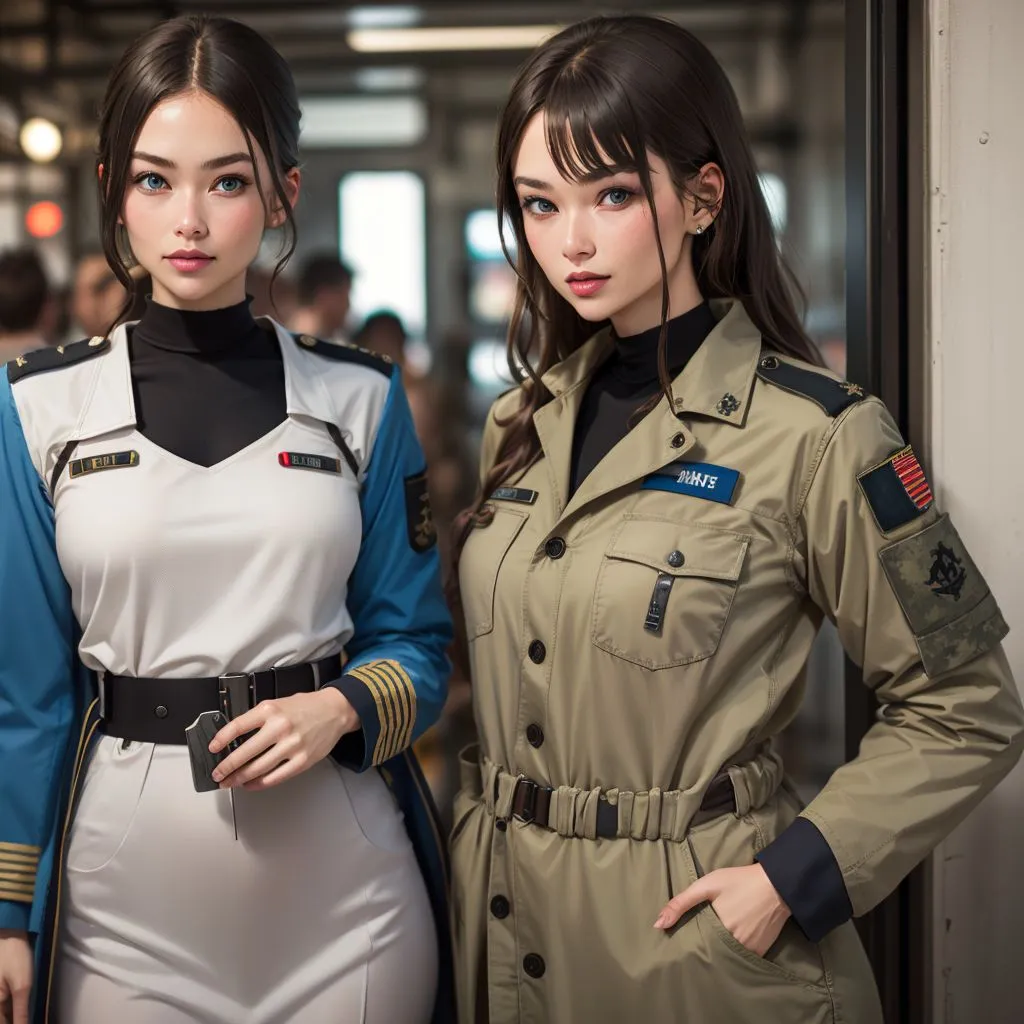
(833, 396)
(896, 490)
(944, 597)
(346, 352)
(56, 357)
(419, 518)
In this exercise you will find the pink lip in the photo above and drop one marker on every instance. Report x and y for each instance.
(188, 261)
(584, 285)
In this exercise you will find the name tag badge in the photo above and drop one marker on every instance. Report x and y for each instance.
(303, 460)
(518, 494)
(96, 463)
(698, 479)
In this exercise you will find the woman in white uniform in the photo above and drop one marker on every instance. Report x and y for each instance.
(204, 513)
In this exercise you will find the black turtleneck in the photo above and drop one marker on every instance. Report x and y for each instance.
(625, 381)
(206, 384)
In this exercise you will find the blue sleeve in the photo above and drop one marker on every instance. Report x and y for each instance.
(803, 869)
(37, 702)
(397, 672)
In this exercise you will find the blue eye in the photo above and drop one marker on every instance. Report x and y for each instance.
(231, 183)
(539, 206)
(618, 196)
(151, 181)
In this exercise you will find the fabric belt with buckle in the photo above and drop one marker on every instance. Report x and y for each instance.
(531, 803)
(159, 710)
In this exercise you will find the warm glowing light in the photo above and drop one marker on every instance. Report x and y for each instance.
(44, 220)
(40, 139)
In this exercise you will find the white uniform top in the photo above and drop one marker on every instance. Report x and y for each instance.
(177, 569)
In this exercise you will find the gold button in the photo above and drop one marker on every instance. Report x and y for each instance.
(308, 340)
(98, 340)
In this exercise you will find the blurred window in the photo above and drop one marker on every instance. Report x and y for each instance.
(383, 238)
(351, 121)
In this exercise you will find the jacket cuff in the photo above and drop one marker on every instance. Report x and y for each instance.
(19, 864)
(805, 873)
(385, 700)
(15, 915)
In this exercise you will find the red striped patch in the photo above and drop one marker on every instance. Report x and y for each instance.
(911, 475)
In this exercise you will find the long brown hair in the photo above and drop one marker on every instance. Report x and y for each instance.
(223, 58)
(611, 90)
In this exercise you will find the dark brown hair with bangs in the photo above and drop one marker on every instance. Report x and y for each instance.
(612, 90)
(223, 58)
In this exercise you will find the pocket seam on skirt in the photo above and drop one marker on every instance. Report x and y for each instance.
(127, 829)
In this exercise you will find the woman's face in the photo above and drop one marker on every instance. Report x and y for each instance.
(192, 211)
(595, 240)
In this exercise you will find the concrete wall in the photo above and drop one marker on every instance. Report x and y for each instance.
(976, 379)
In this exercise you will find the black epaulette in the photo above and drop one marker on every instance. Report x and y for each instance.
(832, 395)
(54, 358)
(345, 350)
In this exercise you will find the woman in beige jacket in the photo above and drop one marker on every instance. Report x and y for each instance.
(669, 508)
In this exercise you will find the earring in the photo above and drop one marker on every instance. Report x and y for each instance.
(700, 229)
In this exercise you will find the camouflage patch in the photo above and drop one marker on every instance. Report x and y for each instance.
(944, 597)
(963, 640)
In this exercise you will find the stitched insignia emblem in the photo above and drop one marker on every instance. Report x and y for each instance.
(419, 519)
(698, 479)
(897, 490)
(947, 575)
(303, 460)
(115, 460)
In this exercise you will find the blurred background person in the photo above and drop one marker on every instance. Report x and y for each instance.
(96, 297)
(274, 297)
(26, 310)
(384, 333)
(325, 289)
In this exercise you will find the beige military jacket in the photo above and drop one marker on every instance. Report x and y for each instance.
(629, 642)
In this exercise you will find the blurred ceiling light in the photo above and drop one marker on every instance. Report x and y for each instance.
(418, 40)
(389, 79)
(383, 17)
(40, 139)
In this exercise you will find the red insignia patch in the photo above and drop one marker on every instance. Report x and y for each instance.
(911, 475)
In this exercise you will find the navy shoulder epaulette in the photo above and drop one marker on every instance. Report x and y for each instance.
(831, 395)
(348, 352)
(55, 357)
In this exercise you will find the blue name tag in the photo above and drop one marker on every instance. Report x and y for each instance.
(699, 479)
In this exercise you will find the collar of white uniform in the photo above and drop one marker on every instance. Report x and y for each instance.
(111, 405)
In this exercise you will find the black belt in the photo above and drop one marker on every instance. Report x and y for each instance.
(531, 802)
(159, 710)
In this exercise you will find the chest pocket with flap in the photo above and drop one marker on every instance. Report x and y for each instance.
(479, 563)
(704, 564)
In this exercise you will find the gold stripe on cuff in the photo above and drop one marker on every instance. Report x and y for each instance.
(18, 894)
(383, 716)
(18, 874)
(396, 711)
(18, 864)
(21, 848)
(401, 682)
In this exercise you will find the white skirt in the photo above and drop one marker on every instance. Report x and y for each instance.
(317, 913)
